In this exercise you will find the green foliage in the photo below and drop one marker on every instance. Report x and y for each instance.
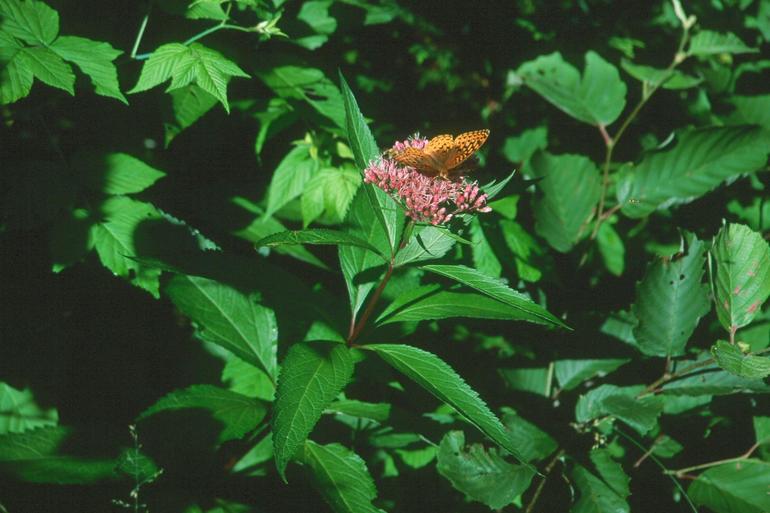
(19, 412)
(733, 360)
(733, 487)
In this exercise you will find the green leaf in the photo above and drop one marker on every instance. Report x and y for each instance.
(611, 248)
(312, 375)
(374, 411)
(623, 403)
(518, 149)
(273, 117)
(438, 378)
(742, 282)
(70, 238)
(359, 135)
(484, 258)
(315, 14)
(751, 110)
(597, 98)
(700, 160)
(290, 177)
(237, 413)
(115, 242)
(733, 360)
(117, 173)
(304, 86)
(426, 243)
(496, 289)
(525, 249)
(332, 191)
(762, 430)
(34, 22)
(94, 58)
(322, 236)
(533, 442)
(188, 104)
(536, 380)
(481, 474)
(138, 466)
(654, 77)
(428, 302)
(571, 187)
(244, 378)
(47, 67)
(229, 318)
(596, 496)
(571, 373)
(185, 65)
(670, 301)
(44, 455)
(15, 80)
(707, 42)
(342, 478)
(739, 487)
(19, 412)
(711, 380)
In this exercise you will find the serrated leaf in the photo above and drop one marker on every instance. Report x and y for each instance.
(611, 248)
(496, 289)
(481, 474)
(311, 376)
(711, 380)
(117, 173)
(94, 58)
(114, 240)
(188, 104)
(332, 191)
(533, 442)
(244, 378)
(742, 282)
(45, 455)
(571, 187)
(708, 42)
(525, 249)
(229, 318)
(598, 97)
(595, 495)
(341, 476)
(670, 301)
(667, 79)
(32, 21)
(322, 236)
(19, 412)
(15, 81)
(734, 361)
(641, 413)
(739, 487)
(184, 65)
(237, 413)
(482, 253)
(47, 67)
(571, 373)
(360, 137)
(361, 409)
(700, 160)
(537, 380)
(426, 243)
(290, 177)
(438, 378)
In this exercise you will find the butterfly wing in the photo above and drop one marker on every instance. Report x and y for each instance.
(418, 159)
(466, 144)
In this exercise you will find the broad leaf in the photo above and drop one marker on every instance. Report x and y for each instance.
(611, 248)
(533, 443)
(484, 258)
(526, 250)
(19, 412)
(570, 187)
(481, 474)
(374, 411)
(670, 301)
(707, 42)
(229, 318)
(742, 282)
(641, 413)
(667, 79)
(237, 413)
(598, 97)
(32, 21)
(185, 65)
(739, 487)
(596, 496)
(711, 380)
(341, 476)
(15, 81)
(496, 289)
(571, 373)
(518, 149)
(47, 67)
(312, 375)
(331, 191)
(733, 360)
(427, 243)
(290, 177)
(438, 378)
(316, 236)
(700, 160)
(536, 380)
(188, 104)
(94, 58)
(117, 173)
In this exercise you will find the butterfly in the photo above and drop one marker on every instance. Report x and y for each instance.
(444, 155)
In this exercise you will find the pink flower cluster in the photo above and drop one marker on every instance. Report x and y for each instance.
(434, 200)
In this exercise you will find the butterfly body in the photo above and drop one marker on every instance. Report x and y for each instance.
(444, 155)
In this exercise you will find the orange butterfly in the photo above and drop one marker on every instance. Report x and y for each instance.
(444, 155)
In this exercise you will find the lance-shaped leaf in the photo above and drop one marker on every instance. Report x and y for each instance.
(742, 282)
(237, 413)
(670, 301)
(312, 375)
(294, 171)
(733, 360)
(427, 243)
(738, 487)
(341, 476)
(496, 289)
(229, 318)
(316, 236)
(482, 474)
(438, 378)
(570, 187)
(700, 160)
(598, 97)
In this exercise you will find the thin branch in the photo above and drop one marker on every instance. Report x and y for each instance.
(142, 28)
(541, 485)
(746, 455)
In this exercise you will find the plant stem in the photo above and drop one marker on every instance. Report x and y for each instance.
(142, 28)
(357, 327)
(541, 485)
(744, 456)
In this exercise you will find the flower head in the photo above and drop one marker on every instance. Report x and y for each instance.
(434, 200)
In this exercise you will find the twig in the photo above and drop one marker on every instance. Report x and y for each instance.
(746, 455)
(142, 28)
(541, 485)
